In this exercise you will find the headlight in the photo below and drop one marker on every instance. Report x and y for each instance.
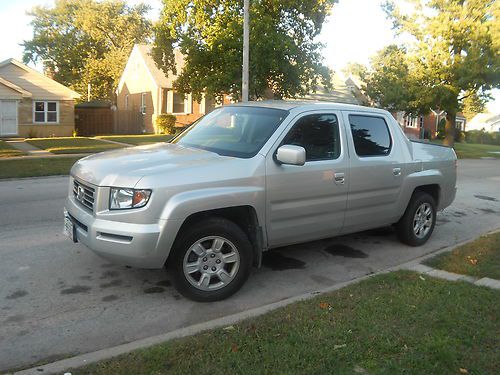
(121, 199)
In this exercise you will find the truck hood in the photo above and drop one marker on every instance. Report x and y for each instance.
(125, 167)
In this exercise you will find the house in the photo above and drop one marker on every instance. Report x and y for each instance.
(340, 93)
(488, 122)
(145, 88)
(32, 104)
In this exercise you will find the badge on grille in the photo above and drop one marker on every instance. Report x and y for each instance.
(80, 194)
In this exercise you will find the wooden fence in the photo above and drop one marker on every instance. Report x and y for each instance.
(101, 121)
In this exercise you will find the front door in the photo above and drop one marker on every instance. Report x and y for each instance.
(8, 117)
(308, 202)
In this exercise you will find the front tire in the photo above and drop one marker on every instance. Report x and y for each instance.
(211, 261)
(418, 221)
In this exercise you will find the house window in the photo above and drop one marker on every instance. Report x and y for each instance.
(178, 103)
(126, 101)
(143, 103)
(45, 112)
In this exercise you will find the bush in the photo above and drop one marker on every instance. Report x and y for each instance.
(459, 135)
(165, 124)
(482, 137)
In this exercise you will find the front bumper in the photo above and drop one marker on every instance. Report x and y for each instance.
(136, 245)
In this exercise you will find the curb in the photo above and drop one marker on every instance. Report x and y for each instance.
(32, 178)
(103, 354)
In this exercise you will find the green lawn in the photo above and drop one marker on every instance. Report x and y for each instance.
(7, 150)
(138, 139)
(473, 150)
(389, 324)
(479, 258)
(32, 167)
(72, 145)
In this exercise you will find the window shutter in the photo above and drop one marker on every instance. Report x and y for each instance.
(170, 101)
(202, 104)
(188, 104)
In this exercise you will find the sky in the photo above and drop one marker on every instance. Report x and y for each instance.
(354, 31)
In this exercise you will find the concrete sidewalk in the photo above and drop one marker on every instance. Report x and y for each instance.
(23, 146)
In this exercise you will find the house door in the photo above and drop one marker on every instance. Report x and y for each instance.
(8, 117)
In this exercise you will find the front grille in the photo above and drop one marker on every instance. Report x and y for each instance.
(84, 194)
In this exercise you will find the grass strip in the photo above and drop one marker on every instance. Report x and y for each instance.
(33, 167)
(479, 258)
(389, 324)
(72, 145)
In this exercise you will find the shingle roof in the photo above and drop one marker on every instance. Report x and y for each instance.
(159, 75)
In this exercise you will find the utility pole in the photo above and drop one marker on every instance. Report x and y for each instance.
(246, 45)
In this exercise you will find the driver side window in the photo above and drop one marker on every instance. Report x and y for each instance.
(318, 134)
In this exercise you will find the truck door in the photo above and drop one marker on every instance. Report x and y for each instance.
(376, 170)
(308, 202)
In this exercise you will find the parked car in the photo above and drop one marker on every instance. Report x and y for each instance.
(250, 177)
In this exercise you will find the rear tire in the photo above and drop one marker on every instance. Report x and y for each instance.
(210, 261)
(418, 221)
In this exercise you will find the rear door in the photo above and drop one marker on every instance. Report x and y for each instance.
(308, 202)
(375, 171)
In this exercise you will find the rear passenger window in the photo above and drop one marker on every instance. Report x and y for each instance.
(371, 135)
(318, 134)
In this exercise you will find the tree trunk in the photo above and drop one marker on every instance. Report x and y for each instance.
(449, 128)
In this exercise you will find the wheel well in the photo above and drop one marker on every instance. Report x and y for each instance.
(433, 190)
(243, 216)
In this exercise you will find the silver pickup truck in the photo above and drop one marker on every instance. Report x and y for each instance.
(250, 177)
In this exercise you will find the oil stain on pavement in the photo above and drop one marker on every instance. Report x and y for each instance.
(345, 251)
(278, 262)
(486, 198)
(75, 289)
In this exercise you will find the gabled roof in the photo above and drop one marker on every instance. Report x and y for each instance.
(30, 85)
(24, 93)
(159, 75)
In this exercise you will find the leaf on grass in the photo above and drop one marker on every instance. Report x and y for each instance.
(473, 261)
(463, 370)
(234, 348)
(229, 328)
(422, 278)
(324, 305)
(339, 346)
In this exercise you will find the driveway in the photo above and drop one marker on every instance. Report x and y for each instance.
(58, 299)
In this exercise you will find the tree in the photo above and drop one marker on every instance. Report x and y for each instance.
(473, 103)
(284, 54)
(395, 82)
(83, 42)
(453, 54)
(355, 69)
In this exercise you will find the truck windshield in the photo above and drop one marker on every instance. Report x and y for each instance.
(233, 131)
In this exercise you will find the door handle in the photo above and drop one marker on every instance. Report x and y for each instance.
(339, 178)
(396, 171)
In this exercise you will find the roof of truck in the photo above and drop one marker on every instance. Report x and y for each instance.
(308, 105)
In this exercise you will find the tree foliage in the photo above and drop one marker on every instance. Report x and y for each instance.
(284, 54)
(452, 54)
(86, 41)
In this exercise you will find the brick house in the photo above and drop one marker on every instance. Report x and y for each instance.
(146, 88)
(32, 104)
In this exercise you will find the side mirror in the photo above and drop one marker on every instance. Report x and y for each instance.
(290, 154)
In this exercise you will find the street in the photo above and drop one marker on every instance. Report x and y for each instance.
(58, 299)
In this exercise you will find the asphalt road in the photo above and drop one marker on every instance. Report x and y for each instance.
(58, 299)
